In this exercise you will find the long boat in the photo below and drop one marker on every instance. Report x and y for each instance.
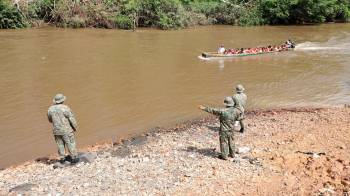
(219, 55)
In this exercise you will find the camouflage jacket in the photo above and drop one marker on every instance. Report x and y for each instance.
(62, 119)
(227, 117)
(240, 99)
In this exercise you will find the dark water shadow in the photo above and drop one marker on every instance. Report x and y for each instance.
(49, 161)
(46, 160)
(209, 152)
(121, 152)
(135, 141)
(139, 140)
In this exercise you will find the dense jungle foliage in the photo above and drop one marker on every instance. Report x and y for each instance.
(169, 14)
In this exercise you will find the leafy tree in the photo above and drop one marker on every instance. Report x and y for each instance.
(277, 11)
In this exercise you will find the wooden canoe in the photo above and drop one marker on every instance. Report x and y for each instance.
(218, 55)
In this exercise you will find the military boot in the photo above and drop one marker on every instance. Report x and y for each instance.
(68, 158)
(75, 161)
(222, 157)
(62, 160)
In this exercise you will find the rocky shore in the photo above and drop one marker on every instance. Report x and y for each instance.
(299, 151)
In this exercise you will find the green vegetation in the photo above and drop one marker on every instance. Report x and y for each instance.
(10, 17)
(170, 14)
(304, 11)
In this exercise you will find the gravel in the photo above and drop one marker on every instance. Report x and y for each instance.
(183, 160)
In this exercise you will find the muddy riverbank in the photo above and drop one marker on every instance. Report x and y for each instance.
(284, 151)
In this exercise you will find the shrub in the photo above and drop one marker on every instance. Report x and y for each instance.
(76, 22)
(199, 19)
(344, 13)
(307, 11)
(304, 11)
(276, 11)
(10, 16)
(333, 10)
(164, 14)
(250, 16)
(40, 9)
(226, 13)
(205, 7)
(124, 22)
(96, 15)
(127, 14)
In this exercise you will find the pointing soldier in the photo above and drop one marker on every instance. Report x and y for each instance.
(64, 126)
(240, 100)
(227, 117)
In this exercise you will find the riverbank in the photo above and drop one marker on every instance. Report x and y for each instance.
(168, 14)
(284, 151)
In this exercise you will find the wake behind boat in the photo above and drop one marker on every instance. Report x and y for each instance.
(223, 53)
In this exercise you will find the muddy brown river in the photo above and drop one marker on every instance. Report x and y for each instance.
(122, 82)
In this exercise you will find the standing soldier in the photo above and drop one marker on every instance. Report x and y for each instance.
(240, 100)
(64, 126)
(227, 117)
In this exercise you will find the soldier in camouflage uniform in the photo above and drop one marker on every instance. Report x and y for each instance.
(240, 100)
(227, 117)
(64, 126)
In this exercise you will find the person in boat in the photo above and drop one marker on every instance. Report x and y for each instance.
(269, 48)
(246, 51)
(231, 51)
(290, 44)
(221, 49)
(283, 47)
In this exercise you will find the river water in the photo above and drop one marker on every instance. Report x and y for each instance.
(123, 82)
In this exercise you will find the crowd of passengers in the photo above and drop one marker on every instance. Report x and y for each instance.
(257, 50)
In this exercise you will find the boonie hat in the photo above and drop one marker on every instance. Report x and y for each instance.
(59, 98)
(228, 101)
(239, 88)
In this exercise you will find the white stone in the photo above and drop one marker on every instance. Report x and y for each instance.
(243, 150)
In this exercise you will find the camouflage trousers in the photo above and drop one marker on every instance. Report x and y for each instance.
(242, 125)
(64, 141)
(240, 119)
(227, 145)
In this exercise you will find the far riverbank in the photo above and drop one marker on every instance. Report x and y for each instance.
(169, 14)
(290, 151)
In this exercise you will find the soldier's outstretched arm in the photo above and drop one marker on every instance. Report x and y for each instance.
(69, 114)
(214, 111)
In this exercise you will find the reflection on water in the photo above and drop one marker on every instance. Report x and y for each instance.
(121, 82)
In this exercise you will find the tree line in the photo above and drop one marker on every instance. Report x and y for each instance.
(169, 14)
